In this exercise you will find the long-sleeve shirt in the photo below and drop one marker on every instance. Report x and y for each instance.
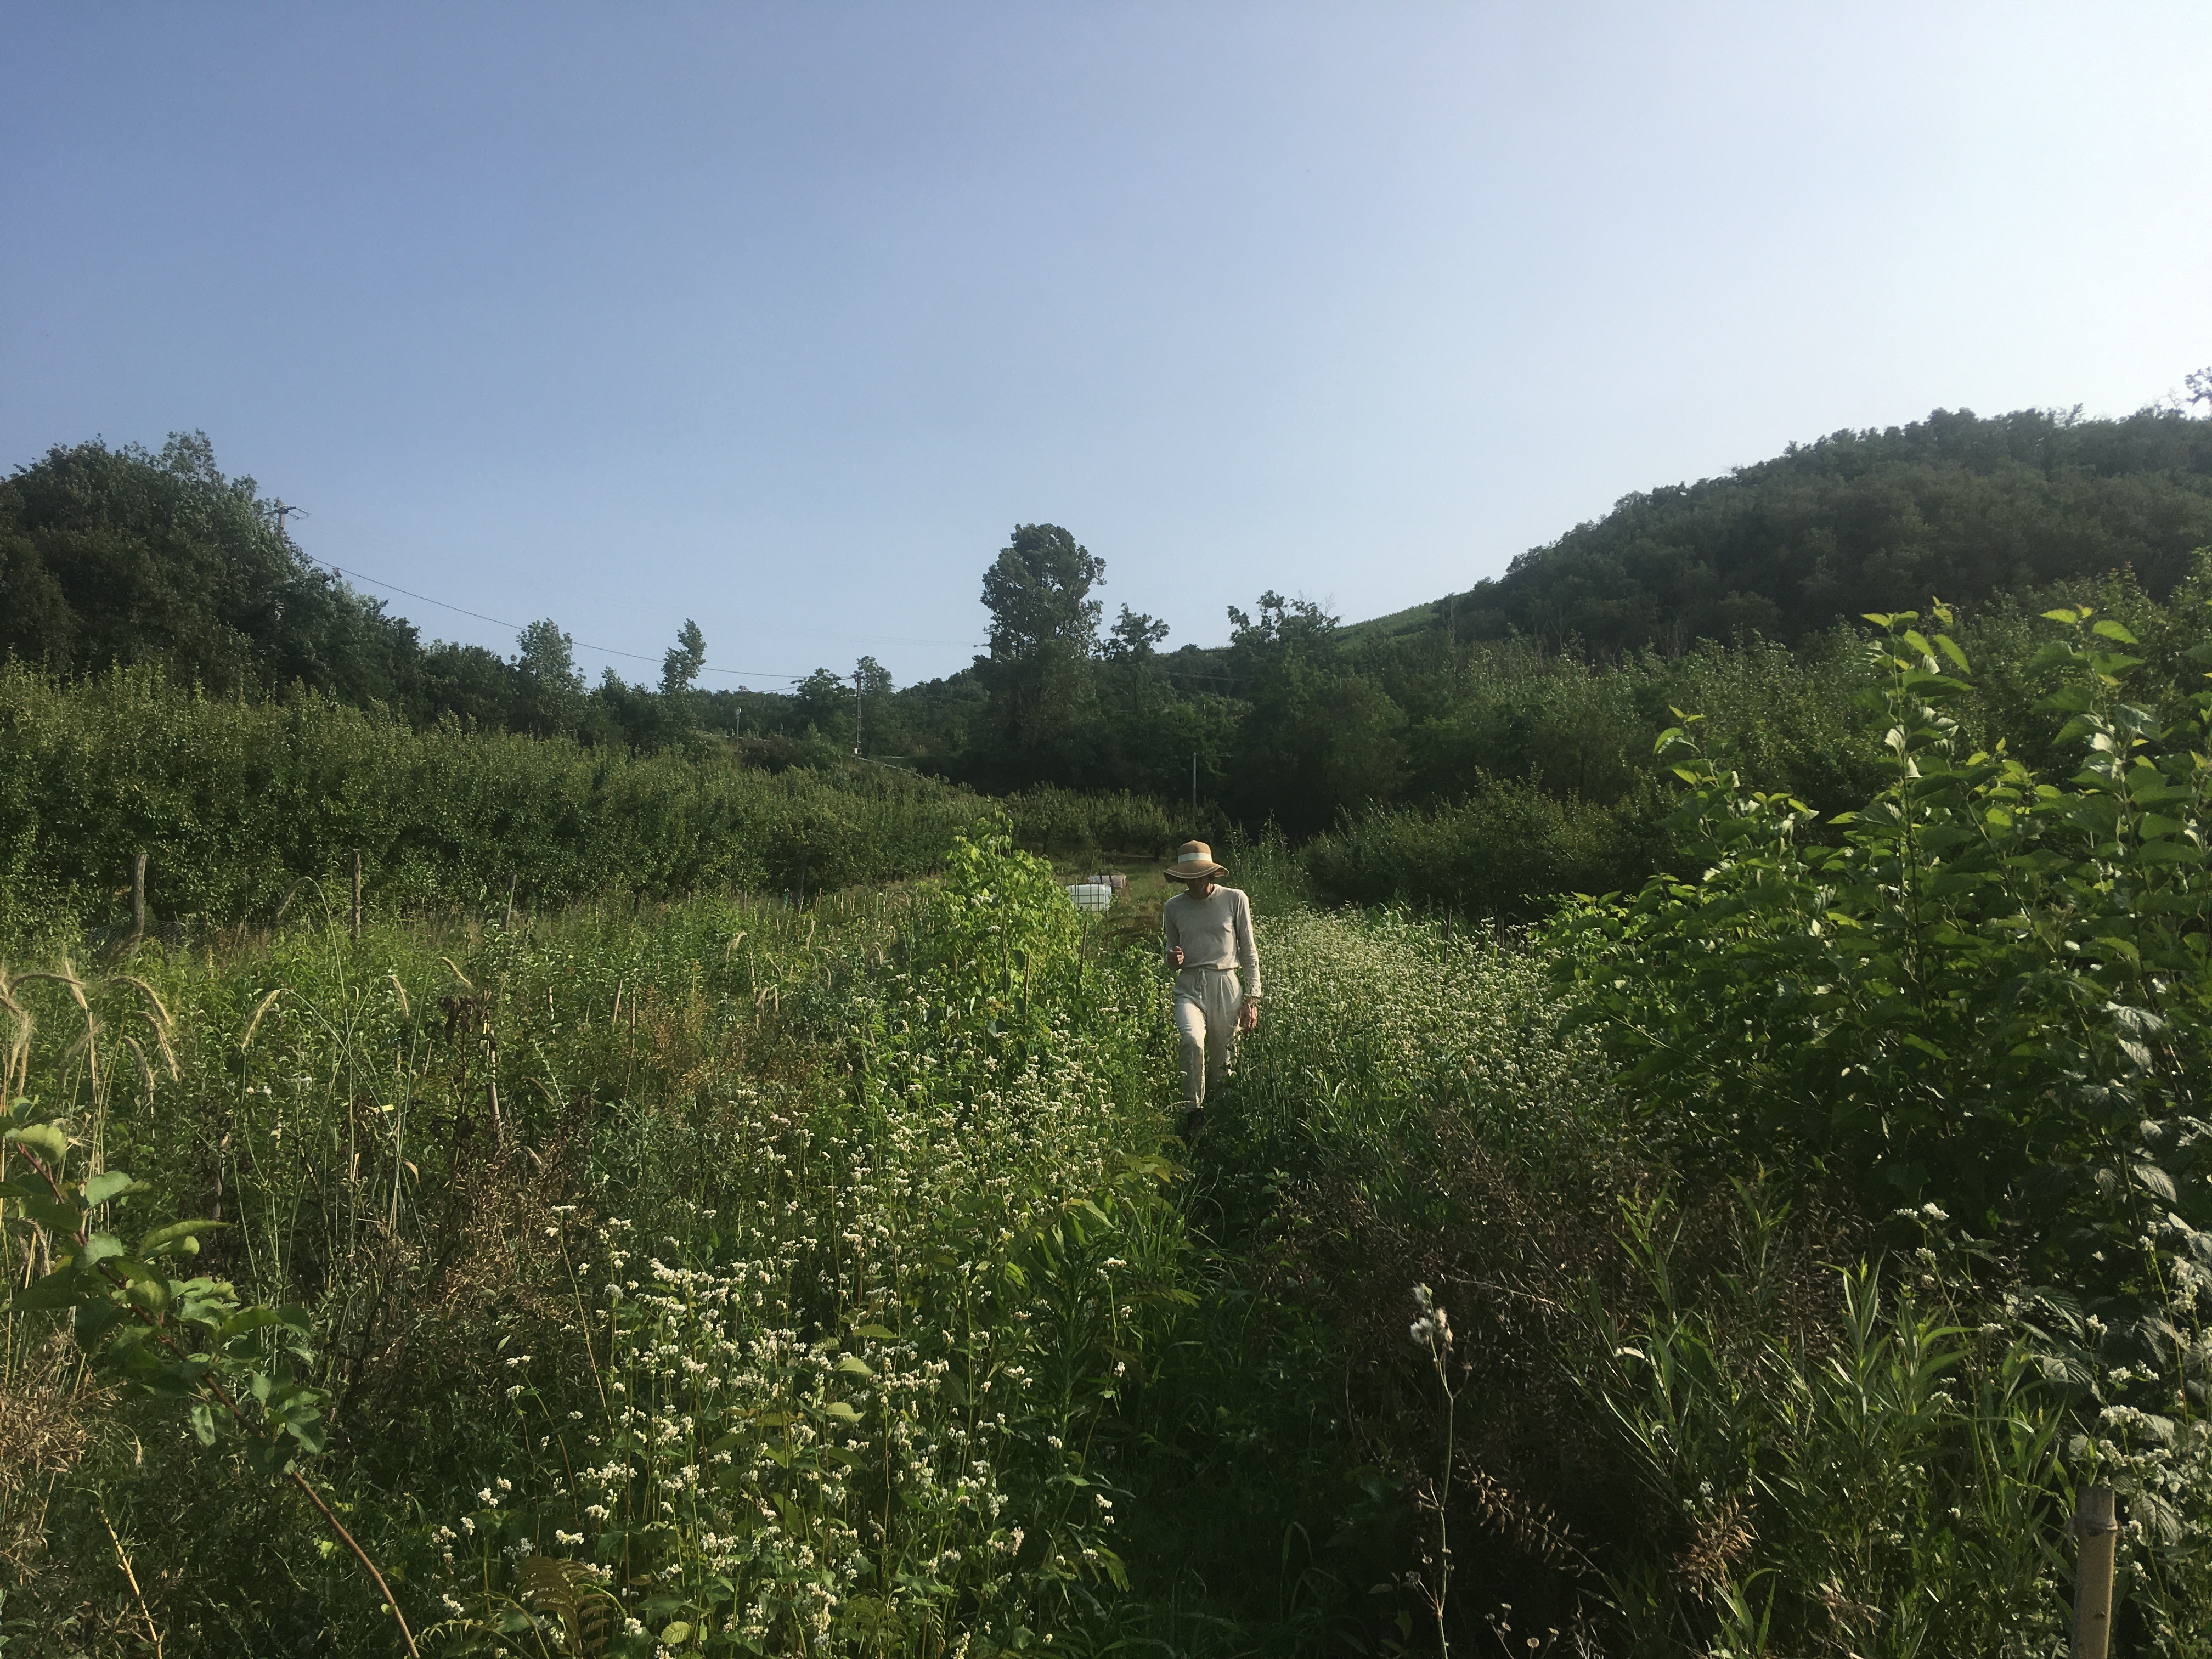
(1214, 932)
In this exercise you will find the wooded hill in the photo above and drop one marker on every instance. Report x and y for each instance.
(1549, 681)
(1856, 521)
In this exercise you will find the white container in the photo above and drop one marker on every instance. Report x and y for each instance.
(1095, 897)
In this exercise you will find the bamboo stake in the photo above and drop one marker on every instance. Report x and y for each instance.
(2097, 1532)
(353, 919)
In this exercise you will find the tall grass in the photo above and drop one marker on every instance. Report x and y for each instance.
(720, 1277)
(850, 1214)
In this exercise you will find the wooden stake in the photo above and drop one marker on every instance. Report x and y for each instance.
(355, 918)
(491, 1090)
(137, 900)
(2097, 1532)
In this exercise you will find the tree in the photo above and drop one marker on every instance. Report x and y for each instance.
(876, 715)
(469, 682)
(1044, 633)
(1319, 740)
(1134, 636)
(679, 669)
(550, 701)
(122, 556)
(825, 699)
(1038, 594)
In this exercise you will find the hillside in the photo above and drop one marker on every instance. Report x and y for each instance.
(1537, 679)
(1866, 521)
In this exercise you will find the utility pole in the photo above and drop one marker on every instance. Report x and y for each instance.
(284, 512)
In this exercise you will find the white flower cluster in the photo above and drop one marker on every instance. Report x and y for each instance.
(845, 1395)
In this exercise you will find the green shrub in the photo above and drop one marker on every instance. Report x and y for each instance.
(242, 806)
(1986, 1000)
(1507, 850)
(1052, 820)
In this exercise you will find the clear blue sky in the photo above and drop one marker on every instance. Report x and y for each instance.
(780, 316)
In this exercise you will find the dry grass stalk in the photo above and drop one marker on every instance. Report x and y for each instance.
(1725, 1538)
(43, 1421)
(1530, 1526)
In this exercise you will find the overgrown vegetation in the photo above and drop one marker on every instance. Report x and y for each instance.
(247, 809)
(1549, 682)
(710, 1206)
(1752, 1267)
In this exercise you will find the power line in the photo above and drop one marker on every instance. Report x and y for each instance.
(500, 621)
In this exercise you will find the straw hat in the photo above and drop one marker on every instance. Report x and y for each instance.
(1194, 862)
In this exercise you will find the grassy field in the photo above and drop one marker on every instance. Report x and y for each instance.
(729, 1277)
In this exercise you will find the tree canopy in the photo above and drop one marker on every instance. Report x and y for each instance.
(1546, 680)
(1860, 521)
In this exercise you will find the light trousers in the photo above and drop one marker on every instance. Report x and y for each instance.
(1207, 1001)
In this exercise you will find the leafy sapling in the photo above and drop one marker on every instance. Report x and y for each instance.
(239, 1369)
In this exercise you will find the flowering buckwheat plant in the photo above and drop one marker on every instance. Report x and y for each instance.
(862, 1423)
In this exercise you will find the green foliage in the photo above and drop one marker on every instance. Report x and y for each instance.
(549, 689)
(1985, 998)
(1044, 631)
(1047, 819)
(679, 669)
(1989, 994)
(122, 556)
(240, 804)
(1507, 850)
(234, 1366)
(112, 557)
(1890, 1486)
(1863, 521)
(938, 1143)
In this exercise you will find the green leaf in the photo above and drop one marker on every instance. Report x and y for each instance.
(167, 1237)
(881, 1334)
(57, 1215)
(852, 1365)
(843, 1412)
(675, 1635)
(2113, 631)
(202, 1416)
(64, 1287)
(2155, 1182)
(2169, 852)
(94, 1319)
(111, 1184)
(43, 1139)
(1950, 647)
(245, 1320)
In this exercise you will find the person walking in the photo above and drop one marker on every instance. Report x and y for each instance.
(1206, 931)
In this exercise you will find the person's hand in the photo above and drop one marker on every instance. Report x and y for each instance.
(1175, 955)
(1248, 1017)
